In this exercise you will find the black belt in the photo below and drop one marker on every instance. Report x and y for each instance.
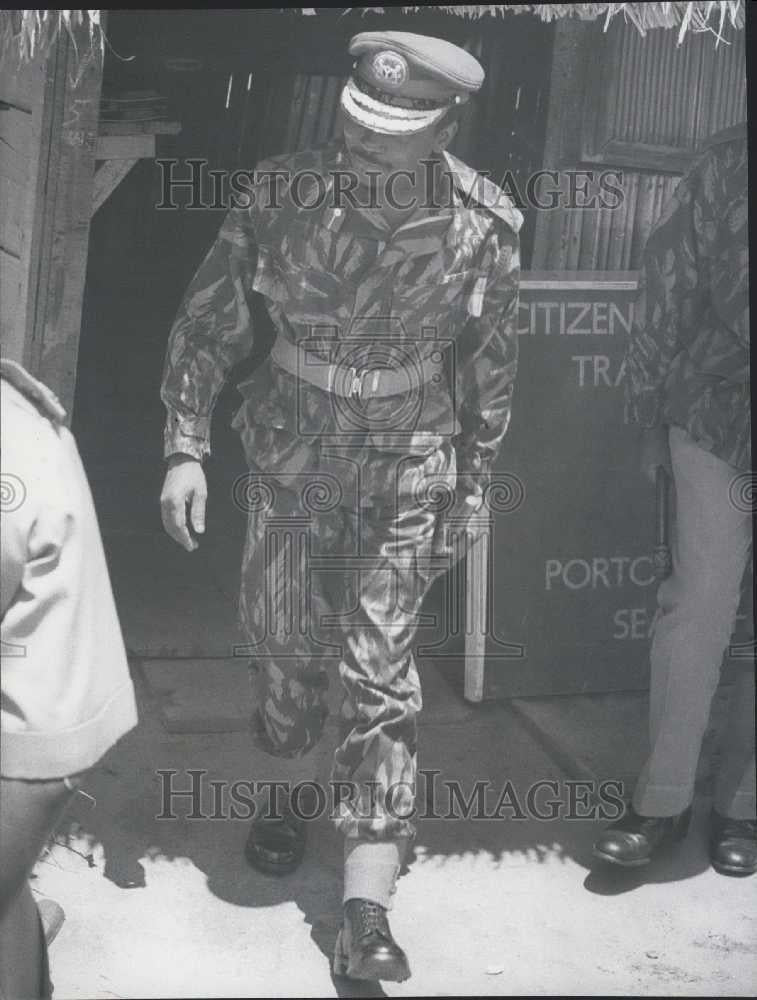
(358, 382)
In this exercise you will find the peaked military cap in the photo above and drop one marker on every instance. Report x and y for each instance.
(402, 82)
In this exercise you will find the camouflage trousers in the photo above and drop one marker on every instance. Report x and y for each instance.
(332, 585)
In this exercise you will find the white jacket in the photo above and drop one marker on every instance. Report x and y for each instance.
(67, 696)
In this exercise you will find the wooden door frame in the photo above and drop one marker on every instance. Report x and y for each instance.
(63, 97)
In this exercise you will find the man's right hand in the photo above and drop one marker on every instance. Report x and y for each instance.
(655, 451)
(184, 487)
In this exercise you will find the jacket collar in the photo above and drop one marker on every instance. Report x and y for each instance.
(424, 225)
(473, 186)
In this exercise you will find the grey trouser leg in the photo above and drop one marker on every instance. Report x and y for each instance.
(697, 610)
(734, 790)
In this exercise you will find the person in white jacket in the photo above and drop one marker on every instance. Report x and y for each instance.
(67, 696)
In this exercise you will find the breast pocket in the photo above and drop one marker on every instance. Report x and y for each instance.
(439, 302)
(307, 292)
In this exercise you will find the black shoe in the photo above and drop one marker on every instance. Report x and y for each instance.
(365, 948)
(733, 845)
(276, 846)
(632, 840)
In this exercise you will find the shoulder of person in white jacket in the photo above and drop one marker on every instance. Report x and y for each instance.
(67, 695)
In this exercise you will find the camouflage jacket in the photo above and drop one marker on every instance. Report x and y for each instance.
(337, 271)
(687, 361)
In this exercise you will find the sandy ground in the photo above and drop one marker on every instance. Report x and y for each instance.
(158, 908)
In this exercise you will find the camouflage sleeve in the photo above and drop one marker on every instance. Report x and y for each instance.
(669, 301)
(212, 331)
(488, 355)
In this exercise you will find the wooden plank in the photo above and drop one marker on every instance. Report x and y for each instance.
(648, 102)
(574, 228)
(563, 124)
(107, 178)
(330, 101)
(272, 130)
(643, 156)
(23, 88)
(44, 197)
(644, 107)
(125, 147)
(542, 281)
(295, 116)
(599, 82)
(66, 209)
(728, 98)
(15, 141)
(12, 211)
(139, 128)
(478, 600)
(12, 282)
(18, 80)
(306, 138)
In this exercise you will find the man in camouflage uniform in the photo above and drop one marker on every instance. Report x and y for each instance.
(387, 390)
(687, 380)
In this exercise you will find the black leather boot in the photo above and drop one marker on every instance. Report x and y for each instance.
(733, 845)
(276, 846)
(365, 948)
(633, 839)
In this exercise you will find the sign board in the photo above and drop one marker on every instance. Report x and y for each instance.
(561, 594)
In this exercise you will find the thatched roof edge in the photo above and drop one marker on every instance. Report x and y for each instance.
(32, 31)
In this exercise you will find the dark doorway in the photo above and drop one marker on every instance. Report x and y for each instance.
(243, 84)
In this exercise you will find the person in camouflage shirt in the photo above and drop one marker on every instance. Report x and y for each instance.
(374, 418)
(687, 385)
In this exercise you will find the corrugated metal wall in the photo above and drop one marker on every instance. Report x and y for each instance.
(502, 134)
(645, 101)
(313, 117)
(606, 239)
(667, 94)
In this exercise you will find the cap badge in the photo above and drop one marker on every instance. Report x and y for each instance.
(389, 68)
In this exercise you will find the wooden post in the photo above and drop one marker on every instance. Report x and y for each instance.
(24, 150)
(66, 210)
(476, 604)
(566, 100)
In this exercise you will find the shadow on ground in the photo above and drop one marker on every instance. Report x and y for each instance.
(123, 827)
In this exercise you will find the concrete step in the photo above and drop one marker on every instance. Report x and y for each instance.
(203, 695)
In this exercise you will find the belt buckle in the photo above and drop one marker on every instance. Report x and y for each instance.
(356, 379)
(356, 384)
